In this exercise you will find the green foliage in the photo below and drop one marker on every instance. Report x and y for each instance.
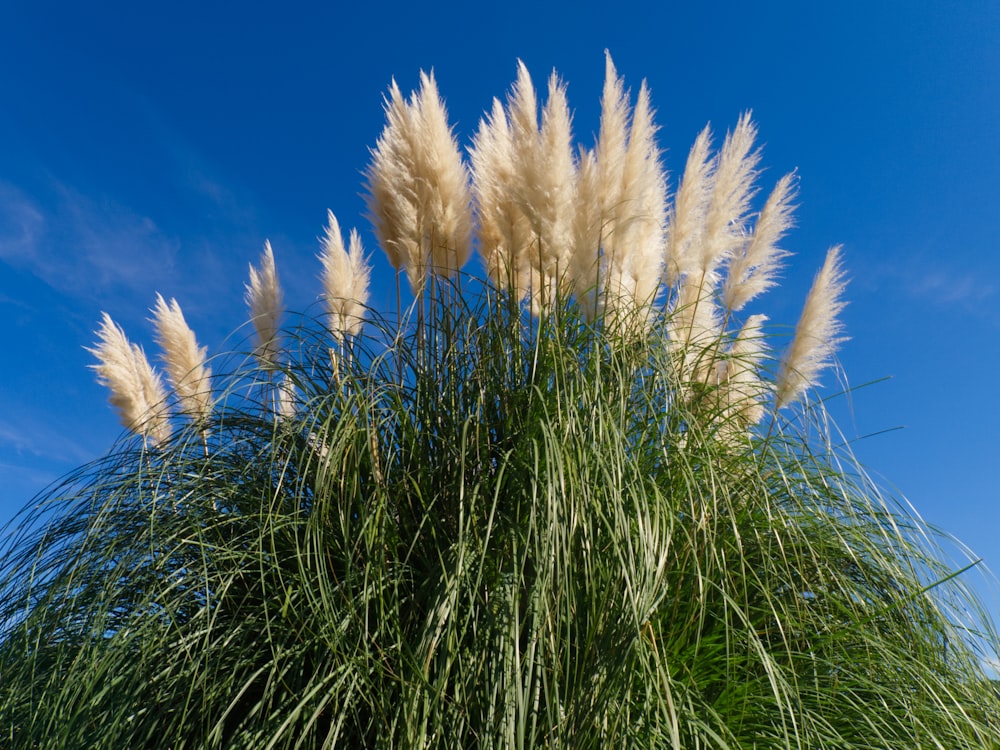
(482, 531)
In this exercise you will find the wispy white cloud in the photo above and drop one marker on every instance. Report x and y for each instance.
(37, 438)
(21, 224)
(6, 299)
(80, 245)
(27, 477)
(930, 279)
(95, 248)
(950, 287)
(34, 454)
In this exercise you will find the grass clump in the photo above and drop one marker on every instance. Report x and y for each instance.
(557, 508)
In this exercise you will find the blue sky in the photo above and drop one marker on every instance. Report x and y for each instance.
(150, 149)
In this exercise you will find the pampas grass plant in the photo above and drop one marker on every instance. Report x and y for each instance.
(487, 528)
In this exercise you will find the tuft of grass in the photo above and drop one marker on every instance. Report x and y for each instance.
(495, 533)
(578, 505)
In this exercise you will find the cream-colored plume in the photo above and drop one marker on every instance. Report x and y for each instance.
(184, 360)
(544, 181)
(588, 228)
(752, 269)
(611, 147)
(553, 191)
(136, 389)
(538, 185)
(695, 331)
(816, 335)
(740, 384)
(732, 191)
(503, 231)
(686, 229)
(524, 179)
(346, 276)
(418, 187)
(265, 299)
(634, 210)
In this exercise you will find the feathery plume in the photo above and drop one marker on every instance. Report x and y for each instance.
(544, 180)
(449, 199)
(641, 213)
(752, 271)
(346, 276)
(585, 261)
(816, 335)
(732, 191)
(184, 360)
(503, 231)
(393, 207)
(522, 113)
(622, 203)
(687, 219)
(418, 187)
(264, 297)
(136, 389)
(741, 384)
(611, 146)
(695, 331)
(554, 189)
